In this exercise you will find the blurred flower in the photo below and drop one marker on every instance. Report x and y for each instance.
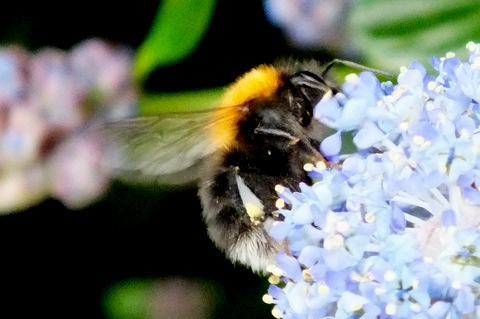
(48, 102)
(394, 230)
(183, 298)
(310, 24)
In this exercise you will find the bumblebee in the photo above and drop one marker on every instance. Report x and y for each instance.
(260, 135)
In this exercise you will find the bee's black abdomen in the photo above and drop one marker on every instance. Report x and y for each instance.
(229, 225)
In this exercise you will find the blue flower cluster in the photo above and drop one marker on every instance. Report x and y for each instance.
(393, 230)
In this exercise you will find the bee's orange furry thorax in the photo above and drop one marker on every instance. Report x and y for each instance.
(259, 83)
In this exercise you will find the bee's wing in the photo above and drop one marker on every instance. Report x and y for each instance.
(166, 148)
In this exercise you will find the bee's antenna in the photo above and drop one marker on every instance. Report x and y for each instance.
(356, 66)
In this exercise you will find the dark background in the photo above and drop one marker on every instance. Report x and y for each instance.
(57, 263)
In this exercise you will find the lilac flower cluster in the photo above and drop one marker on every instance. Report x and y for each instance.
(48, 100)
(393, 230)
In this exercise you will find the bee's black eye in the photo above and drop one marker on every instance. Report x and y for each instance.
(307, 89)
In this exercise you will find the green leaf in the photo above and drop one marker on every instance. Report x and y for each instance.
(392, 33)
(154, 103)
(177, 29)
(128, 299)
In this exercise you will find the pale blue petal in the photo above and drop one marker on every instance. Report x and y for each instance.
(303, 215)
(280, 230)
(338, 259)
(465, 301)
(297, 300)
(439, 309)
(368, 136)
(327, 111)
(353, 114)
(290, 266)
(332, 145)
(310, 255)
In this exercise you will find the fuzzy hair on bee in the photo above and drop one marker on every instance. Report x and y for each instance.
(260, 135)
